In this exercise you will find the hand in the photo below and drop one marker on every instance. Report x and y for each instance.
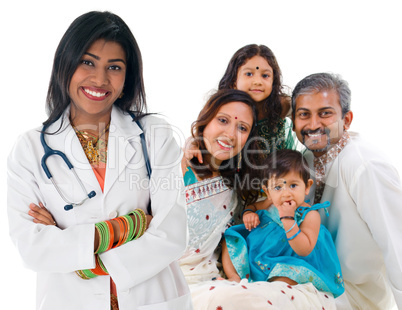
(41, 215)
(191, 149)
(251, 220)
(287, 208)
(149, 219)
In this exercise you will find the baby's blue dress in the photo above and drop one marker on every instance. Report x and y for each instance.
(265, 253)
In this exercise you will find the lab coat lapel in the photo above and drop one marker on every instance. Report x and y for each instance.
(123, 135)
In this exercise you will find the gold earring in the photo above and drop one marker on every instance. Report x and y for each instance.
(121, 95)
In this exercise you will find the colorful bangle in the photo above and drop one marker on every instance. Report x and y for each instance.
(287, 217)
(143, 222)
(100, 238)
(290, 228)
(88, 273)
(111, 235)
(138, 225)
(99, 269)
(122, 229)
(102, 266)
(81, 275)
(103, 237)
(295, 235)
(130, 225)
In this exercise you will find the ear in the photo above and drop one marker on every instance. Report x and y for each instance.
(265, 189)
(347, 120)
(308, 186)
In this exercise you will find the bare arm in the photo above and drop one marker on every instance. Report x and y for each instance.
(304, 238)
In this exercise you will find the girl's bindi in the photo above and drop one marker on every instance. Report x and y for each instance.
(235, 117)
(257, 68)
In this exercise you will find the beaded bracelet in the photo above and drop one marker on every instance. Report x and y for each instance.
(290, 228)
(295, 235)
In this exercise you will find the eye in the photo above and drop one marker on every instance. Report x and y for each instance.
(326, 113)
(303, 115)
(278, 187)
(87, 62)
(293, 186)
(265, 76)
(243, 128)
(222, 120)
(114, 68)
(249, 74)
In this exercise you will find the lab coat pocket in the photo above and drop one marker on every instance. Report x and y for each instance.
(54, 203)
(183, 303)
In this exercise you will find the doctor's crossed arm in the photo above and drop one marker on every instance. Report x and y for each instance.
(108, 234)
(122, 229)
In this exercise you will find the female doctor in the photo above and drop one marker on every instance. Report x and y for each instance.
(102, 254)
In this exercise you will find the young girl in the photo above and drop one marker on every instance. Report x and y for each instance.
(289, 244)
(255, 70)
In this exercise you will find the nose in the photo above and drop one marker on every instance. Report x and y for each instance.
(315, 122)
(256, 80)
(231, 132)
(100, 77)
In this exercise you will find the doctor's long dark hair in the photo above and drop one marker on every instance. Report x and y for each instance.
(84, 31)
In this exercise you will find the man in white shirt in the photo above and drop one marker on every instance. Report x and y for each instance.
(365, 217)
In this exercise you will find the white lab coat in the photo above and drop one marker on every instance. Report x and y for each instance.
(145, 270)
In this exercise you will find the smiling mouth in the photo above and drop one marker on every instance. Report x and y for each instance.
(224, 145)
(311, 139)
(95, 94)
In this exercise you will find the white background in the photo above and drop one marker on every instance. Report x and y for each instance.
(186, 46)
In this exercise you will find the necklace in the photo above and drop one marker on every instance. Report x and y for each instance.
(95, 147)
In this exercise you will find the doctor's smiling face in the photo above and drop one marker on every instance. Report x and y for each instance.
(97, 82)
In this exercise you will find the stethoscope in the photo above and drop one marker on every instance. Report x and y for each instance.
(49, 152)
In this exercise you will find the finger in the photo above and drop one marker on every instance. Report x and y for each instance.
(40, 219)
(34, 207)
(199, 156)
(45, 212)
